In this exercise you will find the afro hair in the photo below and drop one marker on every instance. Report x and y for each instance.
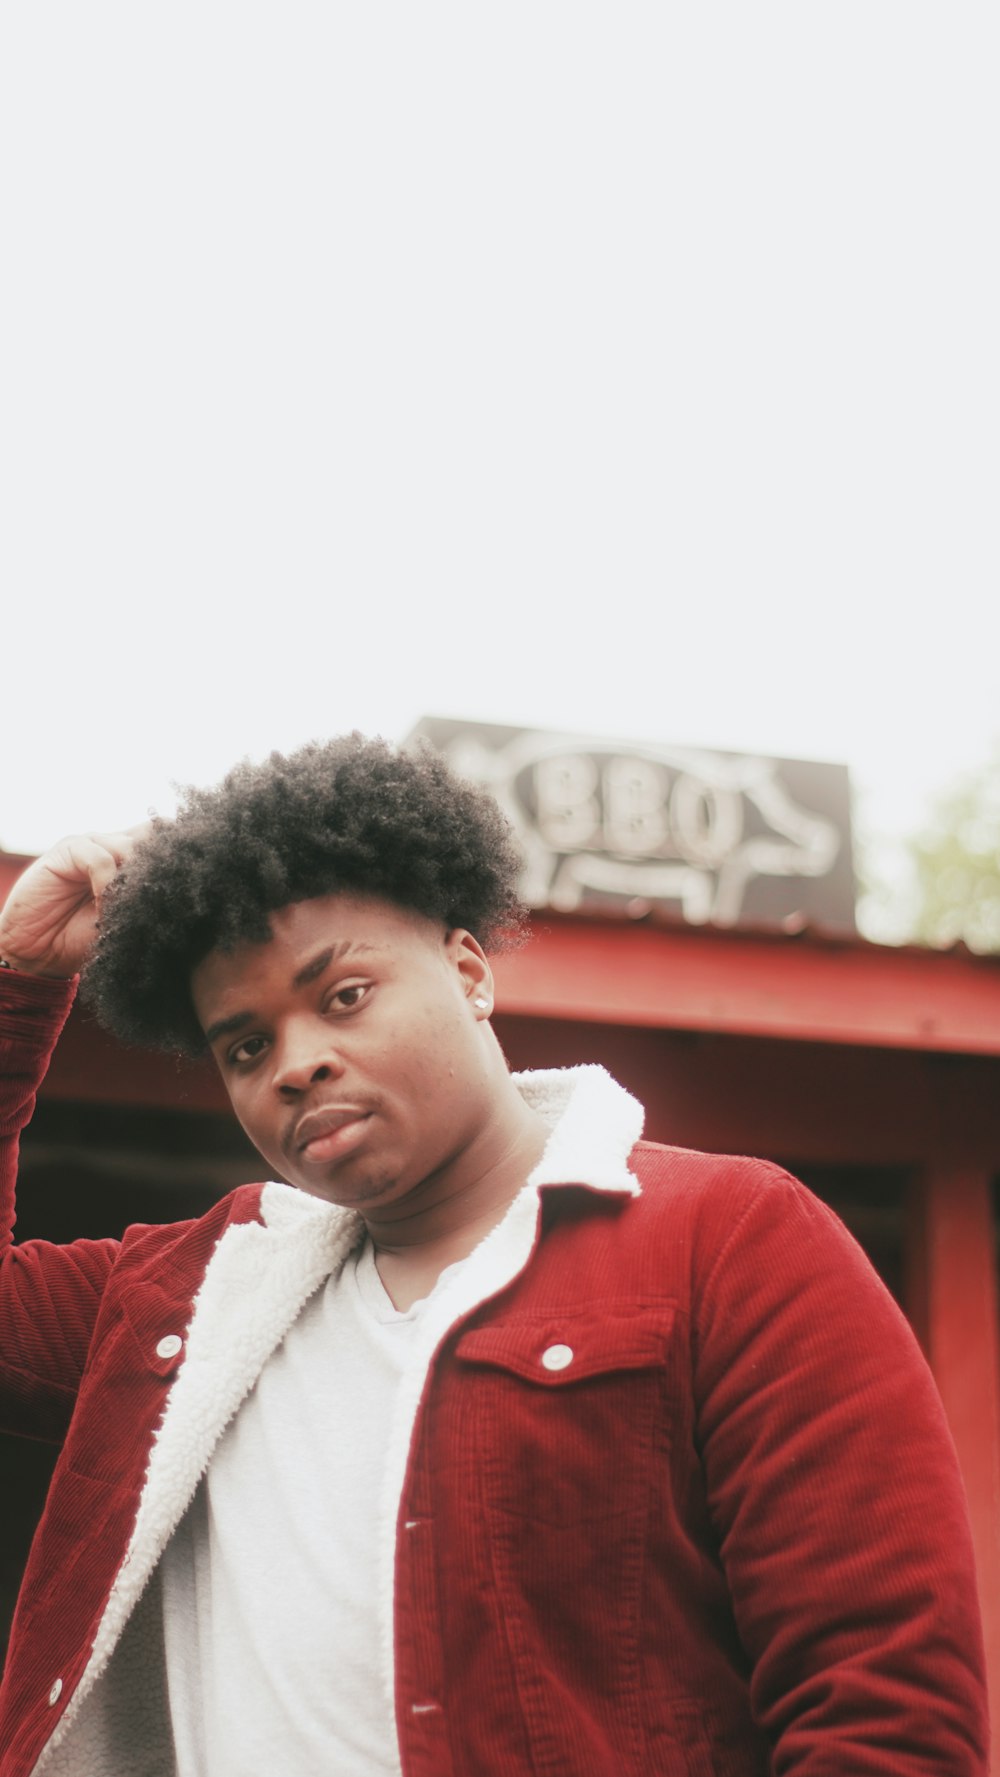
(350, 814)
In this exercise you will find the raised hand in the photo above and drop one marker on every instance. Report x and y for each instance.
(49, 921)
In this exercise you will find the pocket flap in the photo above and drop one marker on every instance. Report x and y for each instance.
(560, 1350)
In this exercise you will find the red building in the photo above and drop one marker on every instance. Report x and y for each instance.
(873, 1073)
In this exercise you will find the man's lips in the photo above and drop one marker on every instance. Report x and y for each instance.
(322, 1134)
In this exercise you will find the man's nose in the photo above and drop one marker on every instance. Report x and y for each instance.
(306, 1058)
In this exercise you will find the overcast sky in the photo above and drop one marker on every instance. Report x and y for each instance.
(626, 369)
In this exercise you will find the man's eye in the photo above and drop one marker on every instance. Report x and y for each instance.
(347, 997)
(246, 1051)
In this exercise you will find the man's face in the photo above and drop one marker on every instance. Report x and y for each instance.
(352, 1048)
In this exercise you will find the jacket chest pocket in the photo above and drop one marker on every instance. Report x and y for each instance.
(569, 1411)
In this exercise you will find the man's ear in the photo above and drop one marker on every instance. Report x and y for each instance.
(468, 957)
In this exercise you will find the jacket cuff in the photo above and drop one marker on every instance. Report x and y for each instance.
(34, 1008)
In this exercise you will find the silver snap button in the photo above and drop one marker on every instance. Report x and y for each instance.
(56, 1691)
(170, 1346)
(557, 1357)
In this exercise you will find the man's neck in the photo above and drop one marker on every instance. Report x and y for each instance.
(411, 1254)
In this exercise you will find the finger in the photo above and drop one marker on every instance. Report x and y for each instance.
(119, 847)
(92, 860)
(121, 842)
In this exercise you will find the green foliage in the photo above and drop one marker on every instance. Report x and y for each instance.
(957, 863)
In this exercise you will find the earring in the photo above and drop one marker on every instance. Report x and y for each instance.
(481, 1004)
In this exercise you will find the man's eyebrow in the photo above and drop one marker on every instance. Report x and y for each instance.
(333, 953)
(225, 1027)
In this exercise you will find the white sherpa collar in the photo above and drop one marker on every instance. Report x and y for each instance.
(595, 1124)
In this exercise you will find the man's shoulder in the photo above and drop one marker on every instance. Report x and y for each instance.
(671, 1177)
(689, 1209)
(733, 1210)
(701, 1204)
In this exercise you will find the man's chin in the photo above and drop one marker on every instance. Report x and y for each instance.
(356, 1193)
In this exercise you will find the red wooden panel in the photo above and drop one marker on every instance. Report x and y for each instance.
(90, 1065)
(826, 1103)
(963, 1338)
(754, 984)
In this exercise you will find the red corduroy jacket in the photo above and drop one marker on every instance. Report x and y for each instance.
(728, 1537)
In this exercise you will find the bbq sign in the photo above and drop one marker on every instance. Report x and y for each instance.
(715, 838)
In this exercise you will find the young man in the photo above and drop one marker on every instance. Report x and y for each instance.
(486, 1438)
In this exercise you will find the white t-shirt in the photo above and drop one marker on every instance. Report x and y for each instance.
(277, 1621)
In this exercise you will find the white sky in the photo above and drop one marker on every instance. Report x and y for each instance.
(629, 369)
